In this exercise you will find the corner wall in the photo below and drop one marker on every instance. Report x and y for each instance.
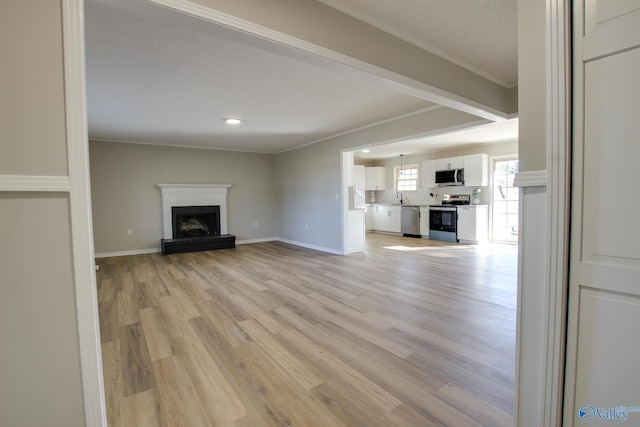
(310, 177)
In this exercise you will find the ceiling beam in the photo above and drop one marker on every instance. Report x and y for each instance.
(313, 28)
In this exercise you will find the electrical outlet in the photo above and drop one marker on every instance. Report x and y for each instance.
(129, 231)
(255, 224)
(306, 226)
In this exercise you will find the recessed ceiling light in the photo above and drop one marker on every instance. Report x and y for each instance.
(366, 151)
(232, 121)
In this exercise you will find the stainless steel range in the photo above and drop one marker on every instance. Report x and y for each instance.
(443, 219)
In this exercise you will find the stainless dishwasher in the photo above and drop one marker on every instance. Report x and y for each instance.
(410, 221)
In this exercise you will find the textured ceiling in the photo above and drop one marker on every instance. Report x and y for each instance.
(480, 35)
(485, 134)
(158, 77)
(153, 80)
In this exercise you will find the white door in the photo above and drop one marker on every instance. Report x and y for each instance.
(602, 385)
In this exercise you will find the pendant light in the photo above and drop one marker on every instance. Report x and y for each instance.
(401, 171)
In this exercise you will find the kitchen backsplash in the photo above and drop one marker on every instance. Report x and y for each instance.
(423, 196)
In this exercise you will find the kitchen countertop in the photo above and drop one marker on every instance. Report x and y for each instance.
(398, 204)
(395, 204)
(417, 205)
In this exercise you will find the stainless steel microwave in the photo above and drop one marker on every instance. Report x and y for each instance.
(448, 177)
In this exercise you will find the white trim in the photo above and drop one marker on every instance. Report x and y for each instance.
(308, 246)
(128, 253)
(196, 186)
(241, 242)
(531, 332)
(543, 280)
(558, 205)
(192, 195)
(238, 242)
(80, 206)
(34, 183)
(251, 241)
(531, 179)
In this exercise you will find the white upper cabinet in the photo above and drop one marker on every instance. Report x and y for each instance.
(450, 163)
(429, 168)
(476, 170)
(375, 178)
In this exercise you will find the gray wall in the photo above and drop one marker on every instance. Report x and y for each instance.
(285, 193)
(125, 194)
(309, 180)
(532, 107)
(40, 377)
(310, 177)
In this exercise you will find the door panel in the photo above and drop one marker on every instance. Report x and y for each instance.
(604, 10)
(606, 377)
(612, 153)
(604, 287)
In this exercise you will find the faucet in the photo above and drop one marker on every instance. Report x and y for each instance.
(400, 193)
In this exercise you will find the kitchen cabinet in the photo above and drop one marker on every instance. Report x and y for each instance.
(387, 218)
(383, 218)
(473, 223)
(375, 178)
(424, 221)
(429, 168)
(396, 219)
(476, 170)
(450, 163)
(359, 177)
(369, 224)
(356, 230)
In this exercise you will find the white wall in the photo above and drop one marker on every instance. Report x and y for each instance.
(124, 180)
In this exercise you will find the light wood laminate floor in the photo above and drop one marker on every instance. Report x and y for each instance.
(411, 332)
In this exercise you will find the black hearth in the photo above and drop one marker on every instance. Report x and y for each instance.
(196, 228)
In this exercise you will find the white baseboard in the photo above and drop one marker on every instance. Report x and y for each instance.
(238, 242)
(262, 240)
(128, 253)
(308, 246)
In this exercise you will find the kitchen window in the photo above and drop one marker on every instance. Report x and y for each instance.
(406, 178)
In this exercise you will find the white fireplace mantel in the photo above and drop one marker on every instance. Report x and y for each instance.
(192, 195)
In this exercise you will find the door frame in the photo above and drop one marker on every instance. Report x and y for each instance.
(81, 218)
(542, 321)
(550, 322)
